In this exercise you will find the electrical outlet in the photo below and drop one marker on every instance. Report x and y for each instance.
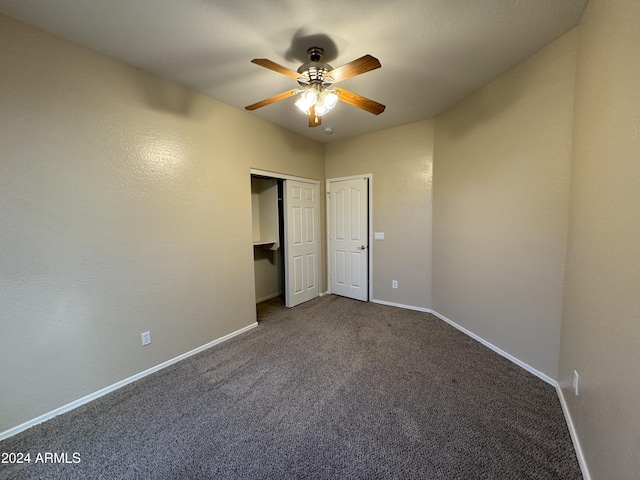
(394, 283)
(576, 383)
(146, 338)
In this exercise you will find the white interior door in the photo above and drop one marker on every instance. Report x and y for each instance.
(301, 246)
(349, 238)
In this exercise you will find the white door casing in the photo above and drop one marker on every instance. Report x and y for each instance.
(349, 237)
(301, 245)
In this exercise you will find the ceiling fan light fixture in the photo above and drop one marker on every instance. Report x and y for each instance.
(309, 96)
(330, 98)
(308, 99)
(321, 108)
(324, 100)
(327, 99)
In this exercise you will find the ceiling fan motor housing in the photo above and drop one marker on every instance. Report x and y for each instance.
(314, 71)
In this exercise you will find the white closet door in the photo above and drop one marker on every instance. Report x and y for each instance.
(301, 246)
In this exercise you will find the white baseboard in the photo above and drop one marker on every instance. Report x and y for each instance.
(499, 351)
(81, 401)
(322, 294)
(269, 297)
(400, 305)
(574, 435)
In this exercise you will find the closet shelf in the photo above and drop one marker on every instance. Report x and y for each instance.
(267, 245)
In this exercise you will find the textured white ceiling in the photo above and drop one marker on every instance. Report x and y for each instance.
(433, 52)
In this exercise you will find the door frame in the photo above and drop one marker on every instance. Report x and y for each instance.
(369, 177)
(284, 176)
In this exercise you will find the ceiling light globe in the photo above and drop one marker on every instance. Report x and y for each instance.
(309, 97)
(304, 108)
(321, 107)
(330, 99)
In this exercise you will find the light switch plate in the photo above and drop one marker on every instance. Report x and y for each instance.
(379, 236)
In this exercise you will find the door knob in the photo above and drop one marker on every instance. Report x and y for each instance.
(362, 247)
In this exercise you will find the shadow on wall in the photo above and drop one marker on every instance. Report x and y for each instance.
(164, 96)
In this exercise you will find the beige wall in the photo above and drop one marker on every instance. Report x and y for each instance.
(501, 205)
(400, 160)
(601, 325)
(125, 207)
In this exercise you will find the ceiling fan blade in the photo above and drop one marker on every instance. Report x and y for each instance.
(314, 120)
(263, 62)
(356, 67)
(359, 101)
(274, 99)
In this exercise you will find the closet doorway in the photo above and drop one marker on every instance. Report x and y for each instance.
(285, 215)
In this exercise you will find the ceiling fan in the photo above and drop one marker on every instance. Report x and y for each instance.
(317, 95)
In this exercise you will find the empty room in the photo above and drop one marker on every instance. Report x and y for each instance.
(386, 239)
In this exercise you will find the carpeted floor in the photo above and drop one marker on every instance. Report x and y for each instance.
(332, 389)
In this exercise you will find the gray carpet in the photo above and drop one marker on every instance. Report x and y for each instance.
(332, 389)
